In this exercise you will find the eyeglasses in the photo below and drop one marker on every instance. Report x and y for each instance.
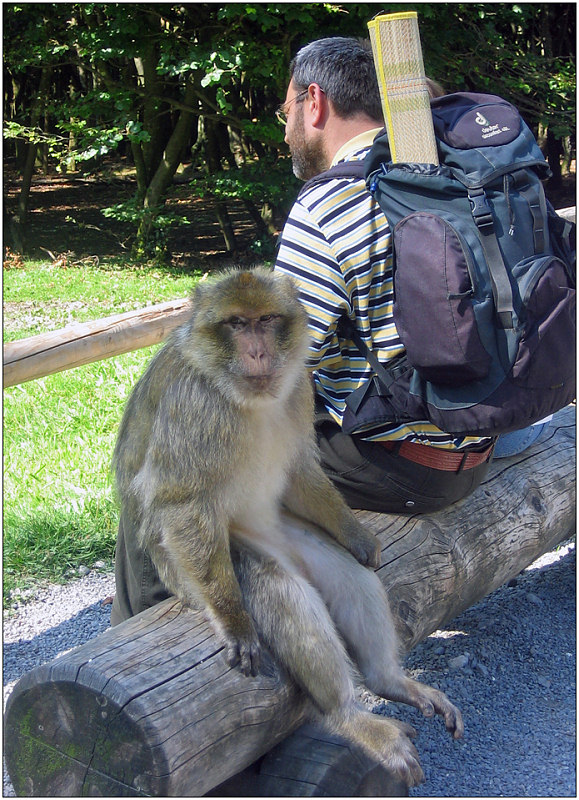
(281, 113)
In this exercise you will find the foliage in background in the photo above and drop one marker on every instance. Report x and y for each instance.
(524, 52)
(162, 84)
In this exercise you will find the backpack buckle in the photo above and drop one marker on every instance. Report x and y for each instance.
(480, 209)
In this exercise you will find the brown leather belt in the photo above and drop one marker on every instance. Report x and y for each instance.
(436, 458)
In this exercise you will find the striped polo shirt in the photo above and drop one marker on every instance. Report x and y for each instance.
(336, 244)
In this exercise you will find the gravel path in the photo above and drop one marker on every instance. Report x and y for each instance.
(508, 663)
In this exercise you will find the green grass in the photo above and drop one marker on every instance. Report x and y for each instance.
(59, 431)
(44, 296)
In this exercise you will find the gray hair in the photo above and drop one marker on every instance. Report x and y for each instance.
(344, 69)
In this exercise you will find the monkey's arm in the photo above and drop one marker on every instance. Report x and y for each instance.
(193, 560)
(311, 495)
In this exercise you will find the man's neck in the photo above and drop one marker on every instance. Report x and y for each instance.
(361, 141)
(340, 135)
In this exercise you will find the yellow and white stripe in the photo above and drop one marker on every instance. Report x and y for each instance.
(397, 52)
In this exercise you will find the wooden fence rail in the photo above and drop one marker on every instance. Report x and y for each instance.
(85, 342)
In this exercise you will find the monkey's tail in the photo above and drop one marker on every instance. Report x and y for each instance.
(295, 624)
(292, 619)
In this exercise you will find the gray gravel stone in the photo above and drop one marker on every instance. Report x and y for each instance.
(458, 662)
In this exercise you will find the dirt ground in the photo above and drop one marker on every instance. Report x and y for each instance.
(65, 218)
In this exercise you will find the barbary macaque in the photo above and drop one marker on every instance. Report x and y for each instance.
(217, 440)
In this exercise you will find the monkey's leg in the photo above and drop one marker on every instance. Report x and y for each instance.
(193, 560)
(294, 622)
(364, 620)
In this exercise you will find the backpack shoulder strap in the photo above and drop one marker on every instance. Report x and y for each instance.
(498, 273)
(344, 169)
(385, 374)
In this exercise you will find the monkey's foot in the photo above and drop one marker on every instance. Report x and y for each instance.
(430, 702)
(385, 740)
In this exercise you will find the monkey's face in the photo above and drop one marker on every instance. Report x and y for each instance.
(250, 335)
(258, 350)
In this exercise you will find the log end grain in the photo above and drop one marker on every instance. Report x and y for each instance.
(64, 739)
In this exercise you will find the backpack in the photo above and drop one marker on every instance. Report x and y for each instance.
(484, 280)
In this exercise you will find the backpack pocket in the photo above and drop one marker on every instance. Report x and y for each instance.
(545, 357)
(371, 406)
(433, 312)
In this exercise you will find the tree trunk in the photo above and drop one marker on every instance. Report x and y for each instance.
(21, 219)
(262, 219)
(225, 224)
(141, 170)
(213, 160)
(155, 111)
(155, 195)
(554, 155)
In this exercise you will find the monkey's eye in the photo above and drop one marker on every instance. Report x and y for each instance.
(236, 322)
(267, 318)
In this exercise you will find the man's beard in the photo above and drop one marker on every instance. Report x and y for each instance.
(308, 158)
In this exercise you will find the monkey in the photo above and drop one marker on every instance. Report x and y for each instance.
(217, 468)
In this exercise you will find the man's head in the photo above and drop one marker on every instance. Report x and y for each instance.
(344, 69)
(333, 96)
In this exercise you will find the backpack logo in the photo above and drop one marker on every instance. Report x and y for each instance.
(489, 129)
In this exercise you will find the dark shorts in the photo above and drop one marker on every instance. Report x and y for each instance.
(373, 478)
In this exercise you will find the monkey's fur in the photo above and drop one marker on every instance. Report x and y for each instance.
(216, 438)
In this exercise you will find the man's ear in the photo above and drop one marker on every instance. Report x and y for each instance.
(317, 105)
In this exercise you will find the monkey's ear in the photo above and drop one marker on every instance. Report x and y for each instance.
(289, 284)
(200, 288)
(201, 296)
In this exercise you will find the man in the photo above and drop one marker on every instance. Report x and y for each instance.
(336, 244)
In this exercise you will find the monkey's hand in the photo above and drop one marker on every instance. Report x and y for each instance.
(243, 648)
(313, 496)
(362, 543)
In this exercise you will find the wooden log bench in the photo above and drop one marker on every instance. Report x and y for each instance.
(151, 708)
